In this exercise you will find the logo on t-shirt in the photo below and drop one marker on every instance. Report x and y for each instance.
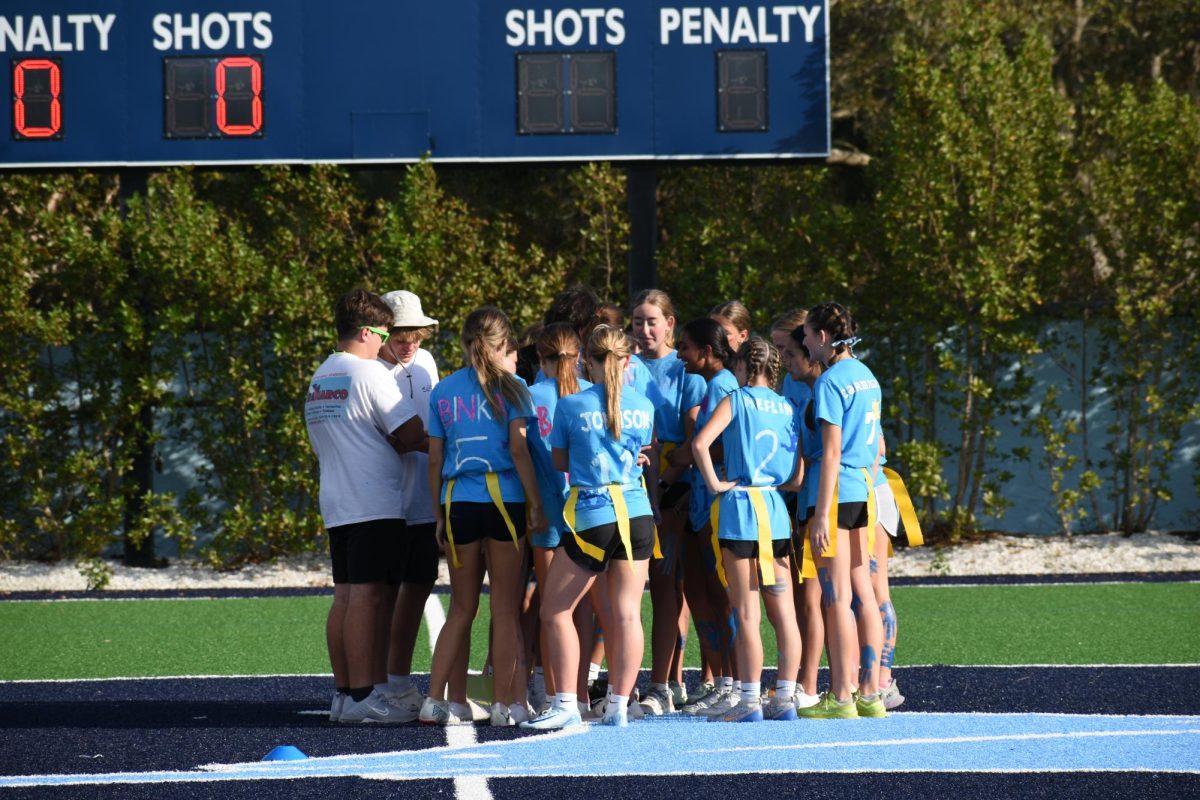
(326, 400)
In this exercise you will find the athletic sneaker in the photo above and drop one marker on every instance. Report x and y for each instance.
(409, 700)
(500, 716)
(802, 699)
(335, 707)
(553, 719)
(537, 697)
(437, 712)
(725, 700)
(479, 712)
(779, 710)
(679, 695)
(615, 719)
(828, 707)
(658, 702)
(518, 713)
(891, 695)
(743, 712)
(704, 696)
(371, 709)
(871, 706)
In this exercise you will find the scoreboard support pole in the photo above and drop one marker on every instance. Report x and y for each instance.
(641, 197)
(133, 181)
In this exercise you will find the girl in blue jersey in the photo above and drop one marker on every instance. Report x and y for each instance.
(558, 353)
(760, 437)
(704, 350)
(734, 319)
(654, 327)
(803, 372)
(598, 438)
(847, 403)
(482, 482)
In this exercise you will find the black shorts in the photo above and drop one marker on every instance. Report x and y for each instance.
(421, 554)
(850, 515)
(474, 521)
(608, 539)
(368, 552)
(675, 493)
(780, 548)
(790, 501)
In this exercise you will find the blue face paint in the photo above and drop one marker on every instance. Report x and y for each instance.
(682, 643)
(828, 593)
(888, 612)
(733, 627)
(867, 660)
(710, 633)
(855, 605)
(874, 565)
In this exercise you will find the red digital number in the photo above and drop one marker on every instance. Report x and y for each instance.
(37, 110)
(250, 122)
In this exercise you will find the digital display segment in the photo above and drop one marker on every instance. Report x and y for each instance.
(120, 83)
(741, 90)
(566, 93)
(36, 98)
(212, 98)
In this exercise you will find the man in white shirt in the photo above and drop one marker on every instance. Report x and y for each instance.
(415, 373)
(358, 424)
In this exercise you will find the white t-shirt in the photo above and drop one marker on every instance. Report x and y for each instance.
(415, 381)
(351, 407)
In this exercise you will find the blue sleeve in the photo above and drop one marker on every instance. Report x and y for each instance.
(828, 402)
(693, 391)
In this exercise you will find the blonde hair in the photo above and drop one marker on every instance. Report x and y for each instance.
(485, 330)
(662, 301)
(559, 343)
(790, 321)
(733, 312)
(609, 345)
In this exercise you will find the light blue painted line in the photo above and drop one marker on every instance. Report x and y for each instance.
(900, 743)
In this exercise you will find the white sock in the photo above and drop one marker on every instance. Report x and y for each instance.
(518, 712)
(726, 684)
(460, 710)
(593, 672)
(751, 692)
(399, 683)
(785, 690)
(662, 687)
(737, 686)
(618, 703)
(566, 700)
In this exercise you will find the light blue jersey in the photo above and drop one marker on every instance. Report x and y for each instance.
(680, 390)
(798, 393)
(761, 445)
(700, 500)
(596, 459)
(848, 395)
(552, 484)
(476, 442)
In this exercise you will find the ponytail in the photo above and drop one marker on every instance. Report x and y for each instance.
(559, 343)
(609, 345)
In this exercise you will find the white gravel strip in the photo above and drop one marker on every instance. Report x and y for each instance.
(1002, 555)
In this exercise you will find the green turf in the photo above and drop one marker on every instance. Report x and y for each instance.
(1073, 624)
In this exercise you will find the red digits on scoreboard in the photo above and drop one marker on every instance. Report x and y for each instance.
(239, 96)
(37, 109)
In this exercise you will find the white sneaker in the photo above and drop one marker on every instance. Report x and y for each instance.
(703, 699)
(409, 700)
(658, 702)
(479, 712)
(615, 719)
(679, 694)
(371, 709)
(727, 699)
(518, 713)
(437, 712)
(335, 706)
(500, 716)
(802, 699)
(891, 695)
(553, 719)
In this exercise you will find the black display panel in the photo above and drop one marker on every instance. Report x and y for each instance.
(213, 98)
(566, 93)
(741, 90)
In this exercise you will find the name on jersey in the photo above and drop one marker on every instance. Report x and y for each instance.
(851, 389)
(630, 418)
(473, 408)
(769, 405)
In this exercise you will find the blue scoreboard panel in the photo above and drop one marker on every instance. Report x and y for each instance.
(160, 82)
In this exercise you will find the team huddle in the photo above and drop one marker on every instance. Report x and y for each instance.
(730, 472)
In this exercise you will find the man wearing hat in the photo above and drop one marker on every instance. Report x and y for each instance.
(416, 374)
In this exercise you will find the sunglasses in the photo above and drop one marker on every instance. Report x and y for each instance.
(380, 332)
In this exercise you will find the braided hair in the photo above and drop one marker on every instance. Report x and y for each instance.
(761, 358)
(834, 319)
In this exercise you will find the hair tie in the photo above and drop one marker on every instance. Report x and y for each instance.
(849, 341)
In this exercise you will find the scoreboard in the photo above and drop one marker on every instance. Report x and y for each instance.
(164, 82)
